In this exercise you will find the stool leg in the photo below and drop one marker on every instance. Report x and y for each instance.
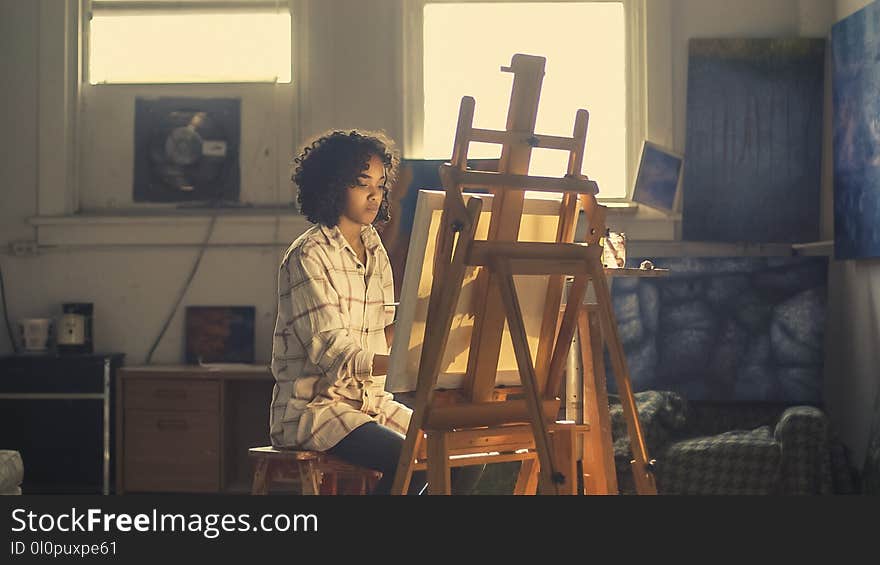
(329, 483)
(309, 478)
(260, 484)
(438, 464)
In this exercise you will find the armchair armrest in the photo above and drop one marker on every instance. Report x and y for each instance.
(802, 433)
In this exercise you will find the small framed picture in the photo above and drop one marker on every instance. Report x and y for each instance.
(658, 178)
(219, 334)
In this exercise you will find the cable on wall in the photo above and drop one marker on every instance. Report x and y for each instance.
(186, 285)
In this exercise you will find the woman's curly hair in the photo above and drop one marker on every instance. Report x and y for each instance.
(331, 163)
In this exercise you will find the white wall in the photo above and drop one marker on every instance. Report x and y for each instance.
(18, 118)
(844, 8)
(108, 117)
(718, 18)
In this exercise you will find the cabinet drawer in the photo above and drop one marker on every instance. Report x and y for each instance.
(172, 394)
(172, 451)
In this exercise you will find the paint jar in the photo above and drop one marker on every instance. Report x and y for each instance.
(614, 250)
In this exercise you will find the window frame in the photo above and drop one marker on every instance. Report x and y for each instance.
(636, 98)
(181, 7)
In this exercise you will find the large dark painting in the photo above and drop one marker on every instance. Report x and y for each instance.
(754, 140)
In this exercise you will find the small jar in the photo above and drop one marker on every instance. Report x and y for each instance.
(614, 250)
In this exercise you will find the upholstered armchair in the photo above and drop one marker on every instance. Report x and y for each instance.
(727, 448)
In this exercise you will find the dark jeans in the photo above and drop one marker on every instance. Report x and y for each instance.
(377, 447)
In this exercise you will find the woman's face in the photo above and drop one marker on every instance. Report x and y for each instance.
(365, 196)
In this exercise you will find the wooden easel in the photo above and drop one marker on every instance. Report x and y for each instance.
(481, 419)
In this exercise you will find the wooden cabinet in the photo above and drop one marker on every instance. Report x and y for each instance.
(188, 428)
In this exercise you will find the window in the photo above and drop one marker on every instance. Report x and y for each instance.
(463, 45)
(189, 42)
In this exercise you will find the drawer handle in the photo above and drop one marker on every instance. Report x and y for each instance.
(172, 424)
(169, 393)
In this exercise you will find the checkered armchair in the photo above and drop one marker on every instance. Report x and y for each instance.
(762, 450)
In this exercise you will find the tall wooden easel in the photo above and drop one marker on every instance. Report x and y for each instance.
(481, 417)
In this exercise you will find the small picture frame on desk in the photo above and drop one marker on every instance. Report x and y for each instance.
(219, 334)
(658, 179)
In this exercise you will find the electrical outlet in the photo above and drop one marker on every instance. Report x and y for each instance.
(23, 247)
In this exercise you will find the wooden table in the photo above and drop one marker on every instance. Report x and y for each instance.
(188, 428)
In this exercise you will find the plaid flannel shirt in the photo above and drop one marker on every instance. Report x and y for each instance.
(331, 322)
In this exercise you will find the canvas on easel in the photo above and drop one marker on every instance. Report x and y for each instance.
(414, 175)
(539, 222)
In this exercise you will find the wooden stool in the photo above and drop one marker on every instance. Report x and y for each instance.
(316, 472)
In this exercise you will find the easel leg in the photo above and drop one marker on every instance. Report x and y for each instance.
(527, 480)
(642, 471)
(598, 443)
(564, 444)
(438, 464)
(439, 324)
(550, 478)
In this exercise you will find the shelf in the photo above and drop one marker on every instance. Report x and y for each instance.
(172, 227)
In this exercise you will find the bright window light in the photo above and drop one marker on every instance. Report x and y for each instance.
(189, 47)
(465, 44)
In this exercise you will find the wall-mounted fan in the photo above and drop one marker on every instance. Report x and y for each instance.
(186, 149)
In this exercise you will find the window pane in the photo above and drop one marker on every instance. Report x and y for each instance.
(189, 47)
(584, 43)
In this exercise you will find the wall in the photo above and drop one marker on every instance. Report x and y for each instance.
(18, 118)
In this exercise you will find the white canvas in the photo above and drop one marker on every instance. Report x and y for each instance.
(539, 223)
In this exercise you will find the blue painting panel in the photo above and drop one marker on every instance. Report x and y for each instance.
(657, 180)
(726, 329)
(754, 140)
(855, 47)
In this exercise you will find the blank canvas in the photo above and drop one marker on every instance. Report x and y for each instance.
(539, 222)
